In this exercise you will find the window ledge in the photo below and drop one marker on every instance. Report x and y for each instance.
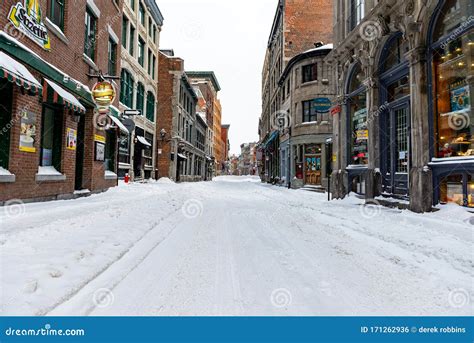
(309, 83)
(45, 177)
(110, 175)
(56, 30)
(7, 178)
(90, 62)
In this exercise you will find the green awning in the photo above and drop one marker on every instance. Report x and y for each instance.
(18, 74)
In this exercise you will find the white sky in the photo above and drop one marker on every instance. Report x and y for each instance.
(228, 37)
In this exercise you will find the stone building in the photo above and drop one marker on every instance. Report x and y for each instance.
(247, 159)
(403, 118)
(53, 143)
(141, 27)
(307, 91)
(297, 26)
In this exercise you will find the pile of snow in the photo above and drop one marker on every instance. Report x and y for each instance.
(231, 178)
(164, 180)
(50, 170)
(4, 172)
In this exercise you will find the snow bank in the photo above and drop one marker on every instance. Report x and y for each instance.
(230, 178)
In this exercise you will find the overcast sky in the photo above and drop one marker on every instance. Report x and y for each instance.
(228, 37)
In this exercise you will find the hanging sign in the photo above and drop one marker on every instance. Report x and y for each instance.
(28, 131)
(27, 18)
(336, 110)
(103, 94)
(71, 139)
(322, 105)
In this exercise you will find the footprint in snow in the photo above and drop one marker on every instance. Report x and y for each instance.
(30, 286)
(55, 273)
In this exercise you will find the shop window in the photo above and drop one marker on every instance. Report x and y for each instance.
(358, 76)
(359, 129)
(394, 53)
(150, 106)
(453, 64)
(6, 96)
(90, 35)
(56, 12)
(452, 190)
(310, 72)
(399, 89)
(124, 148)
(112, 56)
(110, 148)
(148, 152)
(51, 137)
(141, 98)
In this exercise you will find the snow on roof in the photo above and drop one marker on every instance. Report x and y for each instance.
(66, 95)
(323, 47)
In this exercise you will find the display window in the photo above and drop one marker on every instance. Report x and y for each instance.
(453, 64)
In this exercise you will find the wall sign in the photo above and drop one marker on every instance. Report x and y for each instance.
(28, 131)
(322, 105)
(99, 151)
(27, 18)
(71, 139)
(336, 110)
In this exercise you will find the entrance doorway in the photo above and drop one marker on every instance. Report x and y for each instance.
(78, 185)
(397, 150)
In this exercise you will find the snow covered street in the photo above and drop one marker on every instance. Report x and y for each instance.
(232, 247)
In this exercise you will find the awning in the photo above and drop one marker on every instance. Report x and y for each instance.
(182, 156)
(17, 73)
(61, 97)
(115, 111)
(119, 124)
(270, 139)
(142, 140)
(209, 158)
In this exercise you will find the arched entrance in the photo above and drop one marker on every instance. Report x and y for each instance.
(395, 152)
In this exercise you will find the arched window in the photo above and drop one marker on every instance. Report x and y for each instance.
(357, 110)
(141, 97)
(150, 106)
(126, 88)
(452, 53)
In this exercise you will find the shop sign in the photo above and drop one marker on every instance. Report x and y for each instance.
(99, 148)
(28, 131)
(99, 138)
(336, 110)
(362, 134)
(71, 139)
(334, 157)
(27, 18)
(322, 105)
(103, 94)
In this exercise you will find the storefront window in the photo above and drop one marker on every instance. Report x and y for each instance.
(359, 129)
(124, 148)
(109, 163)
(399, 89)
(6, 97)
(453, 64)
(51, 138)
(451, 189)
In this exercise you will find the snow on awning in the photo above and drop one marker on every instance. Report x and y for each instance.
(17, 73)
(119, 124)
(182, 156)
(142, 140)
(62, 97)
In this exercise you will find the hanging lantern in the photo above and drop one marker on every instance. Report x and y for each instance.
(103, 94)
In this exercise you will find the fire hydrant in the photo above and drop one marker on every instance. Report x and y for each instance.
(126, 178)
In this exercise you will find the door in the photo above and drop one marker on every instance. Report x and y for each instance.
(80, 154)
(6, 98)
(397, 150)
(313, 170)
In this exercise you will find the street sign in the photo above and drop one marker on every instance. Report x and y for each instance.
(132, 113)
(322, 105)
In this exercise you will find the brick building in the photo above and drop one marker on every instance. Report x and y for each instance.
(298, 25)
(182, 132)
(53, 142)
(226, 147)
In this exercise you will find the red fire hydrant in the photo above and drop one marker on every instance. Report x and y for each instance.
(126, 178)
